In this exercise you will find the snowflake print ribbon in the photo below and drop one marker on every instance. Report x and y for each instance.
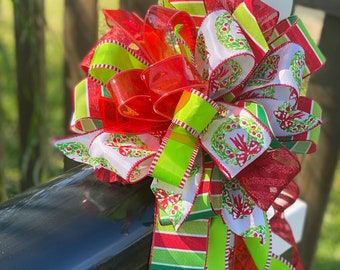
(213, 112)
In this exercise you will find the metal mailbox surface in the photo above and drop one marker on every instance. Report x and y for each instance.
(77, 222)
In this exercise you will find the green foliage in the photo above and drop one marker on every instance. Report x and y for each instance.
(54, 92)
(8, 103)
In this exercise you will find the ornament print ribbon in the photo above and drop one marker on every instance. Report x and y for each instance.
(213, 112)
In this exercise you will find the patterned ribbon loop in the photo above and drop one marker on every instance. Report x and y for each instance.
(276, 85)
(129, 156)
(235, 140)
(305, 142)
(175, 203)
(223, 56)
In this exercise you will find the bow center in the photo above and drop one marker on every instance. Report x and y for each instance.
(194, 111)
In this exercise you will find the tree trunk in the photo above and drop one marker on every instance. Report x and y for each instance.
(2, 144)
(80, 35)
(31, 84)
(316, 177)
(138, 6)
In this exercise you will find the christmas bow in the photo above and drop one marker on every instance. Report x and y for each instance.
(205, 97)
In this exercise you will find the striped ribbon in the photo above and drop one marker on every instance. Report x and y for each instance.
(293, 29)
(87, 115)
(185, 248)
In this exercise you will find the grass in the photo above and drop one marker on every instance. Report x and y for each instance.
(328, 252)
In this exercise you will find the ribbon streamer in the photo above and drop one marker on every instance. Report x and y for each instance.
(213, 113)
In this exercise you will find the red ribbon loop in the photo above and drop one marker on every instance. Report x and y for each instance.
(269, 175)
(143, 100)
(167, 79)
(161, 26)
(131, 96)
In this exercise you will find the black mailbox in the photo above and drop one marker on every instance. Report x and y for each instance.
(77, 222)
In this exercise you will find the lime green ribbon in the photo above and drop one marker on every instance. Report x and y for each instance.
(192, 115)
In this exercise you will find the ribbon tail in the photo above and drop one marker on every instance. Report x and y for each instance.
(279, 224)
(218, 253)
(182, 249)
(261, 252)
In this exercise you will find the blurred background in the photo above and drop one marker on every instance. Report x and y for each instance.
(41, 45)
